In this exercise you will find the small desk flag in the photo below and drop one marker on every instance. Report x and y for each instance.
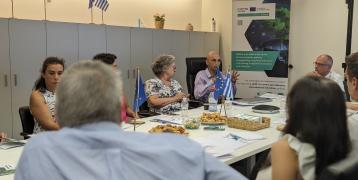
(140, 96)
(219, 84)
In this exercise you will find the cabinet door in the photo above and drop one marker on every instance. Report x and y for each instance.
(212, 42)
(163, 41)
(142, 52)
(92, 40)
(27, 52)
(5, 87)
(196, 44)
(118, 43)
(62, 41)
(180, 49)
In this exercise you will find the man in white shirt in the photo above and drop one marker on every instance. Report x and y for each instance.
(323, 67)
(351, 74)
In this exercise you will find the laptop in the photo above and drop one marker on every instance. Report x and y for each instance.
(252, 101)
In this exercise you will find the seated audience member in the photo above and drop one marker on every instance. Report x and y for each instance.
(205, 79)
(42, 99)
(163, 92)
(110, 59)
(352, 84)
(323, 67)
(91, 145)
(2, 136)
(316, 133)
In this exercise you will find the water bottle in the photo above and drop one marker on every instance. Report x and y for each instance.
(213, 25)
(184, 105)
(228, 106)
(212, 103)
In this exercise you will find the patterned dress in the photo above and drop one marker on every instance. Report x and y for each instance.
(156, 87)
(50, 99)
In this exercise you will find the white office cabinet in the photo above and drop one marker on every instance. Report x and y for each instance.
(62, 41)
(27, 52)
(163, 41)
(92, 40)
(211, 42)
(180, 49)
(142, 52)
(118, 43)
(5, 76)
(196, 44)
(175, 43)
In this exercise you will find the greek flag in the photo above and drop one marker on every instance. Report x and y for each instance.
(228, 91)
(101, 4)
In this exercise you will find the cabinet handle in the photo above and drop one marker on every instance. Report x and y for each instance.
(133, 73)
(5, 80)
(15, 80)
(128, 73)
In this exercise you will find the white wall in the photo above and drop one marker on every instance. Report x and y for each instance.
(221, 11)
(317, 27)
(121, 12)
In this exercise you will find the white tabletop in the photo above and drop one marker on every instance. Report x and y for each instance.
(271, 134)
(11, 156)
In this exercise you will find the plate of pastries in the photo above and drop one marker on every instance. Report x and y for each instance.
(168, 128)
(213, 119)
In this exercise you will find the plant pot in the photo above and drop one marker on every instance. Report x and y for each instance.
(159, 24)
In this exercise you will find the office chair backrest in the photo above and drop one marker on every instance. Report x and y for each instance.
(27, 120)
(346, 169)
(193, 66)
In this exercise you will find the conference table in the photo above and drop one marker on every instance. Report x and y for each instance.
(11, 156)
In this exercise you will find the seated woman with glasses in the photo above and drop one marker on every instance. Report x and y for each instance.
(163, 92)
(316, 133)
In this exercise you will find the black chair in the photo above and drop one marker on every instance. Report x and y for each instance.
(346, 169)
(27, 121)
(193, 66)
(145, 112)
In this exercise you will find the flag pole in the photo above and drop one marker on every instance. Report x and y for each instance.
(102, 17)
(92, 14)
(136, 98)
(12, 8)
(45, 4)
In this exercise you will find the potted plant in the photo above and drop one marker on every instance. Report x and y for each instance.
(159, 20)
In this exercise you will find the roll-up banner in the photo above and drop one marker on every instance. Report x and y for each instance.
(260, 46)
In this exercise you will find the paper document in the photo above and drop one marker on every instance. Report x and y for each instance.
(169, 119)
(223, 144)
(6, 169)
(11, 143)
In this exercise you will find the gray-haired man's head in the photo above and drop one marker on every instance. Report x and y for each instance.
(89, 92)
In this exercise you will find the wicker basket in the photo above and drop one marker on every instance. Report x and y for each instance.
(238, 123)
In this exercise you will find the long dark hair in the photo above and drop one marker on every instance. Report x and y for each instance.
(40, 82)
(317, 115)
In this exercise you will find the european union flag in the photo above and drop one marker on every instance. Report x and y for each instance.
(140, 96)
(101, 4)
(219, 84)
